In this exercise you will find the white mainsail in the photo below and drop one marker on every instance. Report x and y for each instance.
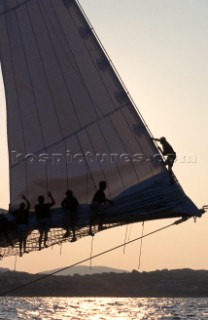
(71, 122)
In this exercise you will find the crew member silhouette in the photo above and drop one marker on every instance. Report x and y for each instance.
(167, 151)
(70, 205)
(43, 214)
(21, 219)
(97, 206)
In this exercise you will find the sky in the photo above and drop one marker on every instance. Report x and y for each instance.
(160, 50)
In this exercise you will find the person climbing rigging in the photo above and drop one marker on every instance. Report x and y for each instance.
(43, 214)
(70, 205)
(167, 151)
(97, 206)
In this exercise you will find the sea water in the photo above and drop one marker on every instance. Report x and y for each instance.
(103, 308)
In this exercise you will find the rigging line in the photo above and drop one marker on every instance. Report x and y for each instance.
(87, 185)
(130, 231)
(140, 253)
(15, 262)
(61, 249)
(124, 247)
(91, 251)
(93, 257)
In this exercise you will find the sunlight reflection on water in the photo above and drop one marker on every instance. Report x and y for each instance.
(103, 308)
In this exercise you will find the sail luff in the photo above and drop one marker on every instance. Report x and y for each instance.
(135, 108)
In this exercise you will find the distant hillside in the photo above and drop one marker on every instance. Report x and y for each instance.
(160, 283)
(84, 270)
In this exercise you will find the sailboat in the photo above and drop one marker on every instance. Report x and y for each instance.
(71, 123)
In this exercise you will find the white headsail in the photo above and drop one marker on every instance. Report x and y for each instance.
(71, 122)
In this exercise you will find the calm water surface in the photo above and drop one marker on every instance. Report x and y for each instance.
(103, 308)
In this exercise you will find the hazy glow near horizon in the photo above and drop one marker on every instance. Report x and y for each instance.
(160, 50)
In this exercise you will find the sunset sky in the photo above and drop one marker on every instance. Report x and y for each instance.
(160, 50)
